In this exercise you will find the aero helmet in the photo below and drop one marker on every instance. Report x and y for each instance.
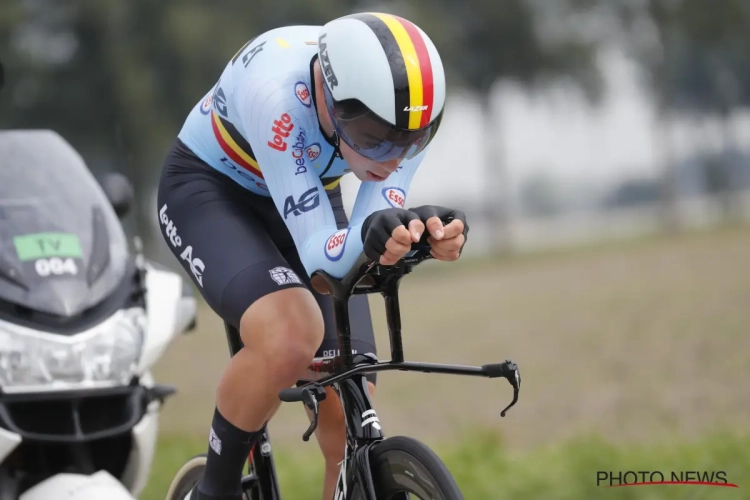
(384, 84)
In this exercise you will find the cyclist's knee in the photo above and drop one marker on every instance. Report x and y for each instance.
(285, 328)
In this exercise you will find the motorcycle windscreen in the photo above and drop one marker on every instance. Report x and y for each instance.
(62, 247)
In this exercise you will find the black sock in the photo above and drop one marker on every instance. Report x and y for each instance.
(227, 451)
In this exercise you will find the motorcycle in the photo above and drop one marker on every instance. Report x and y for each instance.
(83, 319)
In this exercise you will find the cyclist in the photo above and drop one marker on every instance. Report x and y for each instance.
(249, 202)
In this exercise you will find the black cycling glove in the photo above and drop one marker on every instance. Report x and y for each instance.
(446, 215)
(378, 227)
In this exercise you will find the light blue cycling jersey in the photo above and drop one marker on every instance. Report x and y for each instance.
(259, 126)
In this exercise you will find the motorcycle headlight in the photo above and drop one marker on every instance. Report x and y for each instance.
(104, 355)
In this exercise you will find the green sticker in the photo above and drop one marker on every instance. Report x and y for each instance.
(41, 245)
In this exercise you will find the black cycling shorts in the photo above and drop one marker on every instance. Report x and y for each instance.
(236, 248)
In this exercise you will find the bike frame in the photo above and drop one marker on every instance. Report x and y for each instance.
(347, 377)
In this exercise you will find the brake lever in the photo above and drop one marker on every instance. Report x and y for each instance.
(509, 371)
(513, 376)
(311, 397)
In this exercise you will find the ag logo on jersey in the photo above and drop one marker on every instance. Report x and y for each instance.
(303, 94)
(313, 151)
(334, 248)
(309, 200)
(394, 196)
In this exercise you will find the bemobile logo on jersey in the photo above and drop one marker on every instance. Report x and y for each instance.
(297, 152)
(284, 276)
(313, 151)
(303, 94)
(394, 196)
(281, 130)
(334, 247)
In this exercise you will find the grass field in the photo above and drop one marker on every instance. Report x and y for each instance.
(484, 469)
(628, 343)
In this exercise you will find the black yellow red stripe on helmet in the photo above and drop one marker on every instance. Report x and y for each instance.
(239, 151)
(412, 71)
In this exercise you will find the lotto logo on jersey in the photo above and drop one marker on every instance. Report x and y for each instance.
(281, 130)
(394, 196)
(303, 94)
(334, 248)
(313, 151)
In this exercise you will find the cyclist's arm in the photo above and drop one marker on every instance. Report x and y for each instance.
(296, 190)
(390, 193)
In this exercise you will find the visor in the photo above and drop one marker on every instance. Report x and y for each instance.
(371, 136)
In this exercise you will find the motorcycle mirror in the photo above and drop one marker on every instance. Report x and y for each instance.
(119, 192)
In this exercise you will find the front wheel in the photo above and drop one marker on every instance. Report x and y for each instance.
(403, 468)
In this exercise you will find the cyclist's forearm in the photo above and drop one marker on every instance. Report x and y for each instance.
(334, 252)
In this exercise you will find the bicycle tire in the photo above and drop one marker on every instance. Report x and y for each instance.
(401, 465)
(187, 477)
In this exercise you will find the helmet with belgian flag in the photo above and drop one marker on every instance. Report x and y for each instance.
(384, 84)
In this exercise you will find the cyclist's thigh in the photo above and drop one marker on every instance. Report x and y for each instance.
(363, 336)
(208, 223)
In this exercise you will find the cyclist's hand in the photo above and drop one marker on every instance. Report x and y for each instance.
(446, 242)
(387, 235)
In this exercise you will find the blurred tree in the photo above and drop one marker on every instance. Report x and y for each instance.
(693, 54)
(117, 79)
(712, 78)
(483, 42)
(540, 196)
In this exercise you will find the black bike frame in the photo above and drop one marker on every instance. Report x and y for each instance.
(347, 374)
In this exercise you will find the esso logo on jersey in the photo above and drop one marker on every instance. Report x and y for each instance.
(313, 151)
(303, 93)
(394, 196)
(206, 104)
(334, 248)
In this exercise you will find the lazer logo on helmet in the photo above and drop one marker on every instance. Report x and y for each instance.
(334, 248)
(298, 152)
(309, 200)
(281, 129)
(325, 63)
(416, 108)
(394, 196)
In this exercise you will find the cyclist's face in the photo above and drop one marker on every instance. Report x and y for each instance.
(366, 169)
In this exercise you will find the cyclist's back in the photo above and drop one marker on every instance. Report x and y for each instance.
(249, 202)
(216, 129)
